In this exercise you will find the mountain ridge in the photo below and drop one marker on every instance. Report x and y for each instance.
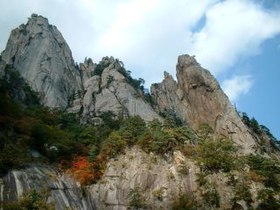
(182, 144)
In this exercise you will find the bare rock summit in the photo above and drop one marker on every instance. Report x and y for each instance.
(198, 99)
(43, 58)
(109, 87)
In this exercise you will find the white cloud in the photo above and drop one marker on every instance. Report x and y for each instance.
(148, 35)
(236, 86)
(234, 29)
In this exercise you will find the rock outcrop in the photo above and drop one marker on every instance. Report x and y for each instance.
(197, 99)
(159, 183)
(108, 88)
(41, 55)
(64, 192)
(133, 179)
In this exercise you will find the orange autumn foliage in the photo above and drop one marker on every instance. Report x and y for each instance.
(82, 170)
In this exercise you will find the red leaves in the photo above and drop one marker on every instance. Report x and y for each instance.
(82, 170)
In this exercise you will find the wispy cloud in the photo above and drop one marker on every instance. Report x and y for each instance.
(234, 29)
(148, 35)
(236, 86)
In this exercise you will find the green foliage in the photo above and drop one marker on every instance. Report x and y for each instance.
(242, 192)
(113, 145)
(136, 198)
(171, 119)
(12, 156)
(217, 155)
(256, 127)
(89, 135)
(111, 120)
(251, 123)
(31, 200)
(201, 179)
(138, 84)
(17, 88)
(245, 118)
(24, 128)
(161, 139)
(266, 167)
(93, 152)
(158, 140)
(211, 198)
(132, 128)
(148, 98)
(185, 202)
(100, 68)
(204, 132)
(267, 131)
(268, 200)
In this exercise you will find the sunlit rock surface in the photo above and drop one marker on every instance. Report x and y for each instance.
(197, 98)
(43, 58)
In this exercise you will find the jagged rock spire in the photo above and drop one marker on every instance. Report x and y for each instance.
(197, 99)
(39, 51)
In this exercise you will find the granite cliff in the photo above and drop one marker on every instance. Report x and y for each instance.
(43, 58)
(197, 98)
(155, 167)
(108, 87)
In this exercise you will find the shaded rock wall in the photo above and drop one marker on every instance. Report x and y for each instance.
(64, 191)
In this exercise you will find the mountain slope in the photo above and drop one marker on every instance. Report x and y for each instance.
(109, 145)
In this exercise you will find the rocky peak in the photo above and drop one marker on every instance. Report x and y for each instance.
(41, 55)
(192, 76)
(185, 61)
(108, 87)
(201, 91)
(87, 69)
(198, 99)
(43, 58)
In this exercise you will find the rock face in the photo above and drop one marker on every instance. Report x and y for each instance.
(197, 98)
(39, 52)
(64, 191)
(157, 182)
(41, 55)
(133, 179)
(107, 88)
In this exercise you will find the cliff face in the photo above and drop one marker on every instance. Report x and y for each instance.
(43, 58)
(64, 191)
(197, 99)
(111, 90)
(157, 182)
(134, 179)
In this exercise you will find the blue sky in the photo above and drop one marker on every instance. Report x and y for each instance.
(263, 101)
(237, 40)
